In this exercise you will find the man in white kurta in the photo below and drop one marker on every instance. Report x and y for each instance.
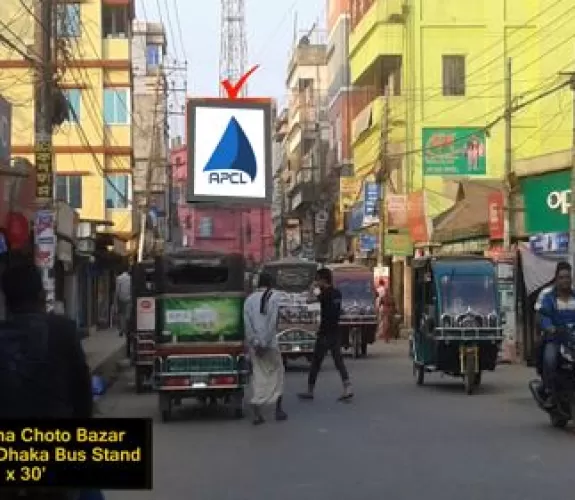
(260, 322)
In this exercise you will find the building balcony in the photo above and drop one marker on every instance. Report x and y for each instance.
(124, 220)
(371, 118)
(379, 32)
(304, 188)
(116, 49)
(366, 131)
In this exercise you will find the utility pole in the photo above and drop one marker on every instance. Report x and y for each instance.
(43, 120)
(572, 204)
(152, 160)
(43, 105)
(381, 178)
(508, 209)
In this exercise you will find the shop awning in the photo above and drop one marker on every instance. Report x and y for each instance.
(468, 218)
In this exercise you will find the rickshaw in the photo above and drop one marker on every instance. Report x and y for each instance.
(199, 330)
(143, 323)
(298, 313)
(457, 320)
(358, 321)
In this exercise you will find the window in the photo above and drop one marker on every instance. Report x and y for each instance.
(69, 190)
(153, 55)
(117, 191)
(206, 227)
(68, 20)
(73, 98)
(116, 102)
(115, 21)
(454, 75)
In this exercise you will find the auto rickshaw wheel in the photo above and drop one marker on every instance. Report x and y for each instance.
(419, 373)
(165, 403)
(139, 381)
(470, 373)
(558, 421)
(238, 404)
(356, 342)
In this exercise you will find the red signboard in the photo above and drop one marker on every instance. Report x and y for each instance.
(416, 218)
(495, 215)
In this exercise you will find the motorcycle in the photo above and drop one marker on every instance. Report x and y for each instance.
(563, 408)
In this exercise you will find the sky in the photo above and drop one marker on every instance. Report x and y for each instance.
(269, 28)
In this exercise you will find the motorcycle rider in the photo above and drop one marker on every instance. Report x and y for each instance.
(557, 311)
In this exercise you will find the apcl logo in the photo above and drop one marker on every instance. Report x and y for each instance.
(233, 160)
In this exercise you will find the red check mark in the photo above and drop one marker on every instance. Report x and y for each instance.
(234, 90)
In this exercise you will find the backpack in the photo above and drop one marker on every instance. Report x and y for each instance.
(26, 379)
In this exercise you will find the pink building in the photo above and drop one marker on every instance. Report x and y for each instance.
(231, 229)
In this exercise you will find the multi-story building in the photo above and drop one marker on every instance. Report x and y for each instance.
(343, 103)
(93, 154)
(150, 99)
(278, 202)
(229, 229)
(443, 62)
(306, 144)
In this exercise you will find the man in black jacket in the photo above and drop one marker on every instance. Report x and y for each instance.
(43, 369)
(328, 335)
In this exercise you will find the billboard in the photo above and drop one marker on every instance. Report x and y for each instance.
(229, 151)
(457, 151)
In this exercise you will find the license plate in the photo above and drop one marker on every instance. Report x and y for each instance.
(199, 385)
(296, 348)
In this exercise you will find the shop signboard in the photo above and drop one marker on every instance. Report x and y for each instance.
(547, 199)
(44, 174)
(367, 242)
(347, 193)
(356, 218)
(398, 245)
(370, 203)
(549, 243)
(396, 210)
(454, 151)
(496, 220)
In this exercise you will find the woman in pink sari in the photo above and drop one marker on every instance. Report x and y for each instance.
(386, 312)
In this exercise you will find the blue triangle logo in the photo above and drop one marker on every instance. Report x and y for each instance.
(233, 152)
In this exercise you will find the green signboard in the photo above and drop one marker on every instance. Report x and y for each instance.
(398, 245)
(454, 151)
(204, 319)
(547, 199)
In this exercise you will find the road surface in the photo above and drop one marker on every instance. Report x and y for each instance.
(395, 441)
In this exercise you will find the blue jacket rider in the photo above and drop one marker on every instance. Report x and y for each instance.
(557, 311)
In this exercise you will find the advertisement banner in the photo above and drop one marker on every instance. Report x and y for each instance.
(44, 173)
(454, 151)
(396, 210)
(547, 200)
(496, 219)
(370, 203)
(204, 319)
(229, 151)
(416, 217)
(347, 193)
(45, 238)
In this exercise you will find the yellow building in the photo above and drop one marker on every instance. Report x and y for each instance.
(93, 149)
(446, 63)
